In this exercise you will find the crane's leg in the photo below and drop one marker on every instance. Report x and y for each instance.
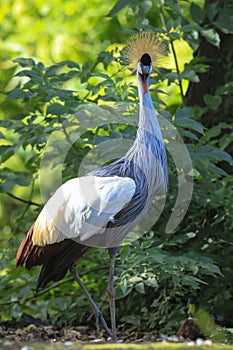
(111, 291)
(96, 311)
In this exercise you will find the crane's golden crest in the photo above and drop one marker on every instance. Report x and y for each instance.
(144, 42)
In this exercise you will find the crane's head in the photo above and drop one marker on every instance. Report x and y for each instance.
(144, 70)
(142, 51)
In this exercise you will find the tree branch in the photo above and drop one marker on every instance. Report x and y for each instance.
(173, 52)
(22, 200)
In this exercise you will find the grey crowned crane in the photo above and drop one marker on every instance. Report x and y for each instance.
(101, 208)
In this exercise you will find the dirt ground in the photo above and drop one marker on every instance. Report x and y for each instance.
(20, 333)
(37, 337)
(31, 331)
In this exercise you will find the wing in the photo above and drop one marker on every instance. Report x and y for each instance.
(81, 208)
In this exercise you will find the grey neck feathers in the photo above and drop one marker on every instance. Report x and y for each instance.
(148, 150)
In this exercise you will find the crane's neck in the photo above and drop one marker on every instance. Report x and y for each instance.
(143, 91)
(149, 142)
(148, 151)
(148, 121)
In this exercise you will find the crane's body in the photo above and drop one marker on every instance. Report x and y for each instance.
(100, 208)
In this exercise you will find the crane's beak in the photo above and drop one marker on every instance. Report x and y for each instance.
(144, 76)
(144, 72)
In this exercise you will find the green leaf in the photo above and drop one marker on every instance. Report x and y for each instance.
(217, 155)
(214, 132)
(56, 109)
(142, 22)
(144, 7)
(124, 285)
(140, 287)
(192, 281)
(151, 282)
(225, 27)
(40, 67)
(183, 117)
(176, 23)
(118, 7)
(70, 64)
(188, 134)
(211, 36)
(6, 152)
(212, 9)
(213, 101)
(66, 76)
(169, 25)
(197, 13)
(190, 28)
(2, 136)
(33, 74)
(225, 89)
(15, 94)
(174, 6)
(11, 178)
(51, 71)
(135, 279)
(190, 74)
(224, 21)
(106, 58)
(171, 76)
(101, 75)
(173, 35)
(25, 62)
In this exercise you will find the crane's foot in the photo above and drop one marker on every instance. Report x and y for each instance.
(99, 320)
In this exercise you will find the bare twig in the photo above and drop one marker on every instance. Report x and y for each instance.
(29, 202)
(67, 135)
(173, 52)
(178, 70)
(55, 285)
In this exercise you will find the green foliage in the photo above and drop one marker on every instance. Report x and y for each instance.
(155, 274)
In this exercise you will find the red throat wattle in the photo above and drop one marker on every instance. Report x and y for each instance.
(145, 86)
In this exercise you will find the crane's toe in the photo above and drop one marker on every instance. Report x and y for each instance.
(99, 320)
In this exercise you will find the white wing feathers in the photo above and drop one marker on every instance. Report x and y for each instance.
(81, 208)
